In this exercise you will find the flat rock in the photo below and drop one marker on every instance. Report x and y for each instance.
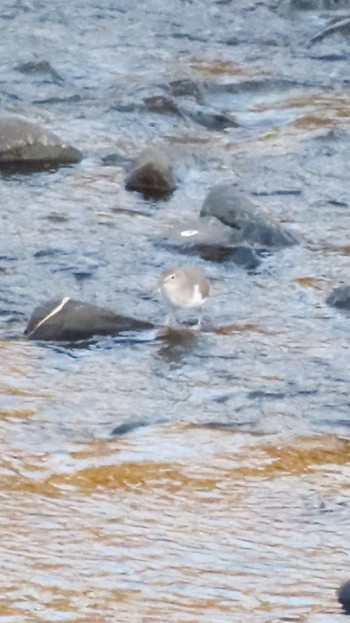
(340, 298)
(209, 238)
(70, 320)
(152, 174)
(25, 143)
(250, 224)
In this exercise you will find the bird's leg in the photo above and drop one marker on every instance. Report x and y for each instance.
(198, 325)
(170, 319)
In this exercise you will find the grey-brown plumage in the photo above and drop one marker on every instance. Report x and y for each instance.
(185, 286)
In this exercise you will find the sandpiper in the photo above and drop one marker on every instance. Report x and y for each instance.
(186, 286)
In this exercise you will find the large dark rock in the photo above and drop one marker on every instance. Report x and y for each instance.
(251, 225)
(152, 174)
(25, 143)
(212, 240)
(69, 320)
(340, 297)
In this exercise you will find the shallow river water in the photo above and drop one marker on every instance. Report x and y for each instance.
(225, 495)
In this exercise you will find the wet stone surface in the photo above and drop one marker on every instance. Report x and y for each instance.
(25, 144)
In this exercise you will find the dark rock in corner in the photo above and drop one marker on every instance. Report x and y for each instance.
(343, 594)
(340, 297)
(152, 175)
(209, 238)
(69, 320)
(250, 224)
(41, 68)
(23, 143)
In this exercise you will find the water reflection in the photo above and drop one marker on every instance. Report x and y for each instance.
(177, 343)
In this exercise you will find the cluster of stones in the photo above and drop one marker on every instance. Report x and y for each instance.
(228, 227)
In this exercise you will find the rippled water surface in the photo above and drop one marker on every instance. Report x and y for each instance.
(180, 477)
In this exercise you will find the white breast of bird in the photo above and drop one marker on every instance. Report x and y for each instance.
(197, 297)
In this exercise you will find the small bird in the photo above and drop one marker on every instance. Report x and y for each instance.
(185, 286)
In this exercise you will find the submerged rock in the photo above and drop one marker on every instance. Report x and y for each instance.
(25, 143)
(41, 68)
(318, 5)
(70, 320)
(162, 104)
(191, 110)
(152, 174)
(212, 240)
(341, 26)
(250, 224)
(211, 119)
(340, 297)
(186, 87)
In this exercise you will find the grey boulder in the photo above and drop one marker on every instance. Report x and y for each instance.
(25, 143)
(250, 224)
(212, 240)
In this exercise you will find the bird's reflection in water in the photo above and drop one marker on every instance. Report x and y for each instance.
(177, 342)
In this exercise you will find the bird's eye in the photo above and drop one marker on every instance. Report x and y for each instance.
(172, 277)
